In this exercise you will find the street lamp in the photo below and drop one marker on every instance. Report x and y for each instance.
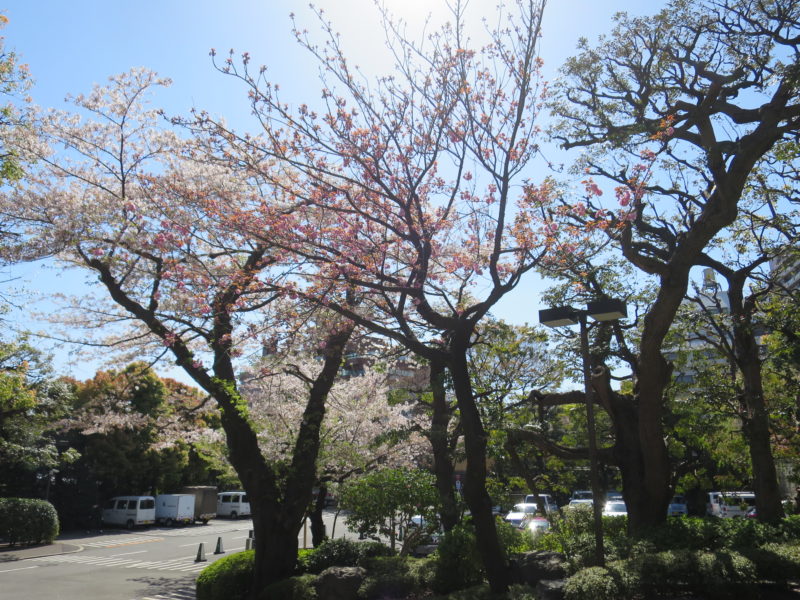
(564, 316)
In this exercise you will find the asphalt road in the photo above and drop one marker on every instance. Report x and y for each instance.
(158, 563)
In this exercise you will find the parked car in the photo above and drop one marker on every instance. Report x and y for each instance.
(538, 524)
(130, 511)
(677, 507)
(752, 513)
(521, 514)
(549, 504)
(729, 504)
(615, 508)
(613, 495)
(581, 497)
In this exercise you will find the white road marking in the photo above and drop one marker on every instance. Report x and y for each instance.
(19, 569)
(128, 553)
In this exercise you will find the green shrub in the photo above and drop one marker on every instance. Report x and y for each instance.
(340, 553)
(226, 578)
(388, 577)
(300, 587)
(367, 550)
(28, 521)
(722, 574)
(775, 562)
(593, 583)
(791, 527)
(458, 563)
(725, 575)
(571, 534)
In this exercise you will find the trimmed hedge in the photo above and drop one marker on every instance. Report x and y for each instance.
(27, 521)
(716, 575)
(300, 587)
(228, 578)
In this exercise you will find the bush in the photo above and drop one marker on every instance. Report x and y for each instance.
(226, 578)
(571, 534)
(592, 583)
(388, 577)
(367, 550)
(722, 574)
(27, 521)
(458, 563)
(339, 553)
(331, 553)
(775, 562)
(294, 588)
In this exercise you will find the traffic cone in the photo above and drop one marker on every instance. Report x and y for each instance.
(201, 553)
(219, 549)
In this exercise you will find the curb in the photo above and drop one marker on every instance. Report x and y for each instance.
(16, 554)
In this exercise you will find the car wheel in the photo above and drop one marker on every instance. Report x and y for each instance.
(205, 521)
(234, 514)
(130, 524)
(169, 523)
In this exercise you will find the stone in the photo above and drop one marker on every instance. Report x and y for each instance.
(339, 583)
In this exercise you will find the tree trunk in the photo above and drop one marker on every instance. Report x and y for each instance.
(318, 534)
(755, 420)
(278, 511)
(475, 494)
(440, 444)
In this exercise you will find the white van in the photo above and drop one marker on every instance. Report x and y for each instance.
(233, 504)
(730, 504)
(130, 511)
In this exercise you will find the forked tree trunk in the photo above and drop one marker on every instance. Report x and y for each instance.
(278, 506)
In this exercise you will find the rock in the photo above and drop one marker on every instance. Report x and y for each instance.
(339, 583)
(550, 589)
(532, 567)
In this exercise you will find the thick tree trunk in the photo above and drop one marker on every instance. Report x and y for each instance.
(440, 444)
(475, 494)
(653, 374)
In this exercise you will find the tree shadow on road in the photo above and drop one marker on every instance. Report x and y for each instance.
(165, 585)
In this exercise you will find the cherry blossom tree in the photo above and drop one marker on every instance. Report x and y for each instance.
(362, 429)
(110, 190)
(412, 192)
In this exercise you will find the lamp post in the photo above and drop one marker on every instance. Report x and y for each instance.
(562, 316)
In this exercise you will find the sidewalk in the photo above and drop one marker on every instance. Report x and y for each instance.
(8, 554)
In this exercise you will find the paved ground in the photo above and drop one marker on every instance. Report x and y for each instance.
(8, 554)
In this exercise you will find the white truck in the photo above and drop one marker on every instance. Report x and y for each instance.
(205, 501)
(174, 509)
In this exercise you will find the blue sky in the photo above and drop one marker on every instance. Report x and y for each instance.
(70, 46)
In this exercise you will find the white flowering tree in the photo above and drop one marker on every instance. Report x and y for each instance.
(110, 190)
